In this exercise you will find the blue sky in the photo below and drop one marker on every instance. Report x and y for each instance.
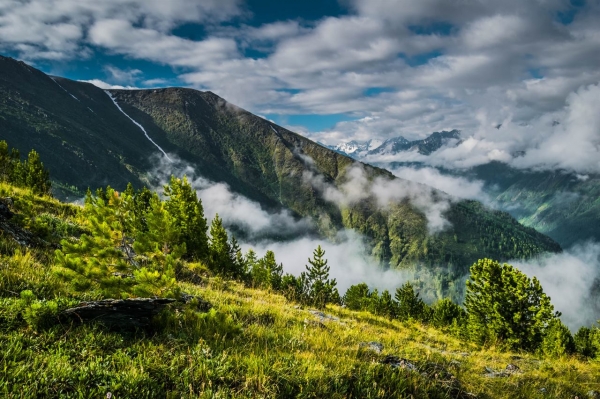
(333, 70)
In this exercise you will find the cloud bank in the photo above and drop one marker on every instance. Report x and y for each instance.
(570, 279)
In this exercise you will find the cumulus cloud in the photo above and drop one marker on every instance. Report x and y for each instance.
(569, 279)
(459, 187)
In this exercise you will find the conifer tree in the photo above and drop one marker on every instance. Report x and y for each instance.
(8, 161)
(322, 290)
(97, 261)
(188, 214)
(35, 175)
(220, 250)
(357, 297)
(506, 306)
(410, 306)
(386, 306)
(107, 260)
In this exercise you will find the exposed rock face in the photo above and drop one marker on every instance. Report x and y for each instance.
(121, 314)
(20, 235)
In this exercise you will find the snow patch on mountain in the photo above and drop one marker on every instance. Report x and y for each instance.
(137, 124)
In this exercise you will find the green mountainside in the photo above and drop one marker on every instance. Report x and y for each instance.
(562, 205)
(87, 142)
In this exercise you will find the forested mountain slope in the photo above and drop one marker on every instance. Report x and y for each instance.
(85, 140)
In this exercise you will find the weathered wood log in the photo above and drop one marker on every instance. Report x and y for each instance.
(121, 314)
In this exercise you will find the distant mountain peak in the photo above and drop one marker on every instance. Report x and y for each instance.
(426, 146)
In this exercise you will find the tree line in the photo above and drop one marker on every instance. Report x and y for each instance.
(27, 173)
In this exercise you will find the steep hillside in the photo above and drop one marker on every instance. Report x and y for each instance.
(86, 140)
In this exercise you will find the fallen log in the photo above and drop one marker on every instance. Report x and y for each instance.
(121, 314)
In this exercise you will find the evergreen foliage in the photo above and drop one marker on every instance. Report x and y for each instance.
(357, 297)
(410, 306)
(446, 312)
(186, 209)
(30, 173)
(321, 289)
(506, 306)
(587, 342)
(558, 340)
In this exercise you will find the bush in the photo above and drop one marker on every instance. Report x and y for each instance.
(587, 342)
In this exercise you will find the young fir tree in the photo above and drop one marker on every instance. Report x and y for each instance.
(97, 261)
(557, 341)
(506, 306)
(386, 306)
(322, 290)
(186, 209)
(446, 313)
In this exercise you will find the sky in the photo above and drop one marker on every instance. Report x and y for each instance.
(337, 70)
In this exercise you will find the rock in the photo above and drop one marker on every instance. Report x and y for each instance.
(314, 323)
(5, 212)
(494, 374)
(372, 346)
(323, 316)
(593, 394)
(512, 368)
(121, 314)
(201, 304)
(396, 362)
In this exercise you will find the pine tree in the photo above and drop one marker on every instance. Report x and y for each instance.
(386, 306)
(35, 175)
(558, 340)
(446, 312)
(8, 161)
(114, 263)
(97, 261)
(410, 306)
(506, 306)
(322, 290)
(186, 209)
(357, 297)
(220, 260)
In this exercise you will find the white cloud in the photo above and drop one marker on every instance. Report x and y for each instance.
(568, 279)
(107, 86)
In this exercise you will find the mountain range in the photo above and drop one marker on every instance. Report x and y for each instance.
(362, 149)
(89, 138)
(562, 204)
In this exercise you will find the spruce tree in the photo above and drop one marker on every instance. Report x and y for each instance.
(322, 290)
(35, 175)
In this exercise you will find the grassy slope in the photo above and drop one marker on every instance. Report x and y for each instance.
(253, 344)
